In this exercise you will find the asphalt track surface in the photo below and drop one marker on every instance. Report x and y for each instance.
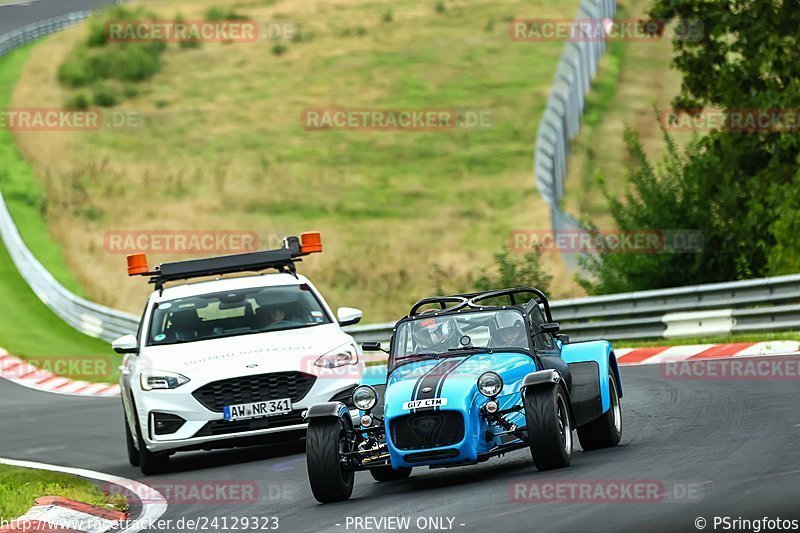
(732, 444)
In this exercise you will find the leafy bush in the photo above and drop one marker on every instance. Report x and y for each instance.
(96, 60)
(72, 72)
(279, 49)
(104, 95)
(440, 7)
(215, 13)
(514, 270)
(77, 102)
(387, 16)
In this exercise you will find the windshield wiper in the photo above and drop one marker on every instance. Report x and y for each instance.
(471, 349)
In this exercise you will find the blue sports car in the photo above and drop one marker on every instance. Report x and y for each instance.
(469, 377)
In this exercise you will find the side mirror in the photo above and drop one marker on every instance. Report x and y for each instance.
(126, 344)
(347, 316)
(372, 346)
(563, 338)
(550, 327)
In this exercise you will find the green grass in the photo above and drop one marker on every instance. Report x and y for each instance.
(28, 328)
(23, 194)
(19, 488)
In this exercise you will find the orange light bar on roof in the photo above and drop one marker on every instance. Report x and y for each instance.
(137, 264)
(310, 242)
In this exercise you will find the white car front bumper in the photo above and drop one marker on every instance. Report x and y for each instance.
(203, 428)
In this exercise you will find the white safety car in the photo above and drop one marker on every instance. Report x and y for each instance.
(234, 360)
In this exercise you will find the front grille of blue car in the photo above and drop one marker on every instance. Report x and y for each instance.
(428, 429)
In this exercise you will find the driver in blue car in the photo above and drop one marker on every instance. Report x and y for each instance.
(436, 335)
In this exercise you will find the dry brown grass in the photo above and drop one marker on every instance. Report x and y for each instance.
(221, 147)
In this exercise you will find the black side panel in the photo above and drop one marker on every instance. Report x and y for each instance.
(585, 392)
(379, 405)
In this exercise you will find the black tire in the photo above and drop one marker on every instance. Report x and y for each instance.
(326, 440)
(133, 453)
(605, 431)
(549, 426)
(387, 473)
(150, 463)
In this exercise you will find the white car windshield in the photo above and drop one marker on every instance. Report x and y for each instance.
(237, 312)
(496, 330)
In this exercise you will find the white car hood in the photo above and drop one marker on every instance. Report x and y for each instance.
(242, 355)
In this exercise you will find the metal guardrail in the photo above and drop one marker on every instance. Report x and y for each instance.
(743, 306)
(561, 120)
(32, 32)
(754, 305)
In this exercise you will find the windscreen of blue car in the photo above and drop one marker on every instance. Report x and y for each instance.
(496, 330)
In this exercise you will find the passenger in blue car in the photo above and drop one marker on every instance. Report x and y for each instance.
(511, 332)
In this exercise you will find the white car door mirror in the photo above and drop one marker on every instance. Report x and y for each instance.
(347, 316)
(126, 344)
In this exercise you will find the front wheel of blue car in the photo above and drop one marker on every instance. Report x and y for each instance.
(326, 443)
(549, 426)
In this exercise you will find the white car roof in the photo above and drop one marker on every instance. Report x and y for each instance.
(226, 284)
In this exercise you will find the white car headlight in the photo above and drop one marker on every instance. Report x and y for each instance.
(365, 397)
(490, 384)
(346, 355)
(159, 379)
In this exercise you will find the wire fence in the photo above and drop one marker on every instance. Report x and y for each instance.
(561, 120)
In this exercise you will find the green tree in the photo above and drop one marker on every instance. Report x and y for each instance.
(740, 188)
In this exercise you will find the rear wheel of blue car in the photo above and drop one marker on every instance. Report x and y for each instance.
(387, 473)
(549, 426)
(326, 443)
(605, 431)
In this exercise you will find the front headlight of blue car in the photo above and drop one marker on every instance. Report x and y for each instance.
(490, 384)
(365, 397)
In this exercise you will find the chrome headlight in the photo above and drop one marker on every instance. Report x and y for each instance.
(490, 384)
(159, 379)
(365, 397)
(346, 355)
